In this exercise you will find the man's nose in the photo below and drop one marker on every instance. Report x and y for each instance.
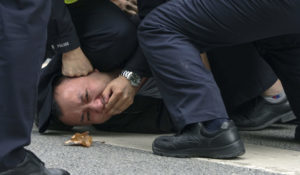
(96, 105)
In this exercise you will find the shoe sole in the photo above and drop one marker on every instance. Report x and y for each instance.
(283, 118)
(288, 117)
(225, 152)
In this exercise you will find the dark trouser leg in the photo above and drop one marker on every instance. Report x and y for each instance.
(22, 41)
(241, 73)
(283, 54)
(172, 34)
(187, 87)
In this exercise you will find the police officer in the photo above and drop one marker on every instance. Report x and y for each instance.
(23, 26)
(173, 35)
(109, 40)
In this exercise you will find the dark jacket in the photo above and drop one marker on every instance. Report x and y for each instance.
(63, 37)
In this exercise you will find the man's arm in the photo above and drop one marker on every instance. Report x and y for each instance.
(119, 93)
(64, 40)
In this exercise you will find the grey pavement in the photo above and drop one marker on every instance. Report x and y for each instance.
(271, 151)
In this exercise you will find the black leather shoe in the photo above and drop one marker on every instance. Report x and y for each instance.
(297, 133)
(259, 114)
(196, 141)
(32, 165)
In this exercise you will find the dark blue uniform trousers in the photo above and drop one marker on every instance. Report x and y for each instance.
(241, 73)
(23, 35)
(173, 35)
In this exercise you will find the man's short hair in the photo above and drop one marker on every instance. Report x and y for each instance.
(55, 113)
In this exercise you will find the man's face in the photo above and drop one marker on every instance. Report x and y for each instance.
(80, 99)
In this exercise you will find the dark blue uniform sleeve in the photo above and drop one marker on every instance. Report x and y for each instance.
(138, 64)
(61, 31)
(146, 6)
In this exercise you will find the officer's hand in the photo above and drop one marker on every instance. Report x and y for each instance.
(128, 6)
(75, 63)
(118, 95)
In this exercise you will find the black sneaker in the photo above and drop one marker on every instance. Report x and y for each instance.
(196, 141)
(32, 165)
(259, 114)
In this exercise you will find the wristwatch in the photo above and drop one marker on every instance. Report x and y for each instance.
(134, 78)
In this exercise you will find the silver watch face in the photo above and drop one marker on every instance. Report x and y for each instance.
(134, 78)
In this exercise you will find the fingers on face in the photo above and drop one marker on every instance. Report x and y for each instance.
(120, 104)
(112, 101)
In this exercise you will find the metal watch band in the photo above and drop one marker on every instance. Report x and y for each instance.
(134, 78)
